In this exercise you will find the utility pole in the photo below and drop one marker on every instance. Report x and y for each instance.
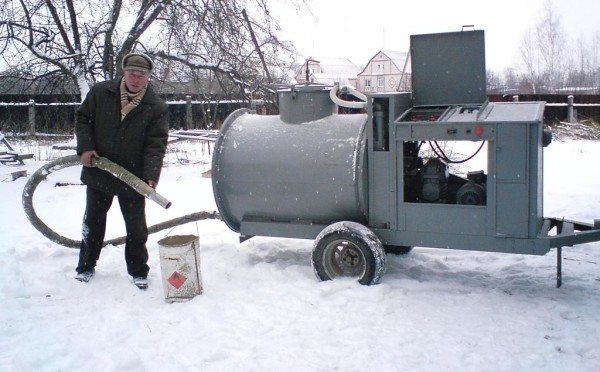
(307, 71)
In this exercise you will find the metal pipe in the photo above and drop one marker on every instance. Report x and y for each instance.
(348, 104)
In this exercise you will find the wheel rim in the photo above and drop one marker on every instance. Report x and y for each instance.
(343, 258)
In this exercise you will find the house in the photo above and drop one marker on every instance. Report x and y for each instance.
(383, 73)
(17, 88)
(328, 71)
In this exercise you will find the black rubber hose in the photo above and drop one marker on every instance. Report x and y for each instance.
(107, 165)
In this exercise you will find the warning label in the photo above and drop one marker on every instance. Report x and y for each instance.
(176, 280)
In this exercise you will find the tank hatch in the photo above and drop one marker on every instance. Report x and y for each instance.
(305, 103)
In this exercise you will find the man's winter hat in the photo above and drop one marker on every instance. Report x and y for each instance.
(137, 62)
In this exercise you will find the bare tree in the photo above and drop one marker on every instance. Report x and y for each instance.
(511, 79)
(552, 44)
(584, 64)
(595, 47)
(494, 84)
(85, 40)
(531, 61)
(542, 51)
(580, 64)
(219, 39)
(76, 39)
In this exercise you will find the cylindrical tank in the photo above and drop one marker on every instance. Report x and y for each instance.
(269, 169)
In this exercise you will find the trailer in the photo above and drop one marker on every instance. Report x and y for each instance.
(365, 184)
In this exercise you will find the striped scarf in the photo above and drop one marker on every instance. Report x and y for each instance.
(129, 101)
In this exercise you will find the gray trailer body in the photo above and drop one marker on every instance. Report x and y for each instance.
(295, 174)
(277, 179)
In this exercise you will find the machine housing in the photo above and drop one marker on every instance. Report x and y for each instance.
(294, 174)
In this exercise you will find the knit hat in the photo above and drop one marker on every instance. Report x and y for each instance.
(137, 62)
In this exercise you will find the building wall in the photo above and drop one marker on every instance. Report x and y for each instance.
(382, 75)
(313, 68)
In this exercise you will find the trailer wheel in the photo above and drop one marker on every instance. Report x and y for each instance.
(397, 249)
(348, 249)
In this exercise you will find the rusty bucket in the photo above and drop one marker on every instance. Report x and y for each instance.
(180, 267)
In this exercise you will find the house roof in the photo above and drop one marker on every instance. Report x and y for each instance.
(338, 66)
(186, 87)
(398, 58)
(335, 67)
(14, 85)
(330, 79)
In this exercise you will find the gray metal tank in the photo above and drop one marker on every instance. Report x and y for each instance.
(304, 165)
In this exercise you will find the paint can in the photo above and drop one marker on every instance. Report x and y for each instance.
(180, 267)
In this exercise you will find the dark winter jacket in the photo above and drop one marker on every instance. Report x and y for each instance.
(138, 143)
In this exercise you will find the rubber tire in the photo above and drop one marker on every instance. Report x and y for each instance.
(397, 249)
(362, 238)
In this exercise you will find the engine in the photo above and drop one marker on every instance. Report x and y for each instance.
(434, 181)
(429, 181)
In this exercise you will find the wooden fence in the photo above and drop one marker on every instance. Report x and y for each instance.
(32, 117)
(35, 117)
(560, 107)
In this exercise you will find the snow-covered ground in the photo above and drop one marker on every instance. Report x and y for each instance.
(264, 310)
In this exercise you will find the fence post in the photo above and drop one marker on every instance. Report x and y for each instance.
(188, 113)
(570, 112)
(31, 112)
(516, 98)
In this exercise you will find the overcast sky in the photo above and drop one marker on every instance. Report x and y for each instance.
(357, 29)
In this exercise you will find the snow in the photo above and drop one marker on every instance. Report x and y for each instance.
(263, 309)
(337, 66)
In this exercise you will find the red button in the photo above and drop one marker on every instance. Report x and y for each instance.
(478, 131)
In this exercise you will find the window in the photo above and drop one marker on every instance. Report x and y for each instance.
(367, 82)
(380, 66)
(380, 81)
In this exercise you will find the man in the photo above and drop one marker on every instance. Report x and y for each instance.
(125, 121)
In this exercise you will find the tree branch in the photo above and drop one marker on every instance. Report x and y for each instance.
(60, 26)
(74, 26)
(109, 49)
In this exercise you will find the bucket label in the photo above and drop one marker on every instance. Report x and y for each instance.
(176, 280)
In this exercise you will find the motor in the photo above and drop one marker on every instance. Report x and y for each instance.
(472, 192)
(434, 181)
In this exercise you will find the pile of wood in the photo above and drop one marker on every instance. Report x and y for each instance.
(11, 156)
(583, 130)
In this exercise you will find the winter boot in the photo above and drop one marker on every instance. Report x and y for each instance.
(85, 276)
(140, 281)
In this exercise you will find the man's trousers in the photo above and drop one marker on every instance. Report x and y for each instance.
(94, 228)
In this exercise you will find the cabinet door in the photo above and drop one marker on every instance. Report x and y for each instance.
(512, 181)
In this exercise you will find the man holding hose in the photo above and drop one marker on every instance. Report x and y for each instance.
(124, 121)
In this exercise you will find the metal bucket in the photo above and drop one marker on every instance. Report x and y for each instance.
(180, 267)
